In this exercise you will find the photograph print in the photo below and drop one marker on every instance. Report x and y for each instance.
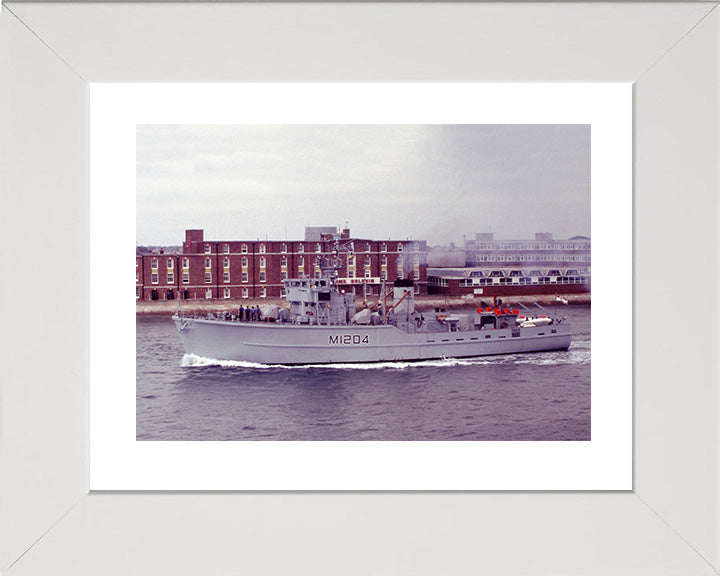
(363, 282)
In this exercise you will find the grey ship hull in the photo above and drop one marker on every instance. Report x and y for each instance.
(269, 343)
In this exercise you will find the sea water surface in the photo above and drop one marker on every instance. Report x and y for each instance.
(536, 396)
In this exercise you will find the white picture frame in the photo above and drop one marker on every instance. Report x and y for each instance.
(668, 523)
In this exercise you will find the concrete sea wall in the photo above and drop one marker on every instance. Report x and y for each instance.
(421, 303)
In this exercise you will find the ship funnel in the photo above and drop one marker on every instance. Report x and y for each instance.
(403, 297)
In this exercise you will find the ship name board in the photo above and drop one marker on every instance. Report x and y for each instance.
(348, 339)
(373, 280)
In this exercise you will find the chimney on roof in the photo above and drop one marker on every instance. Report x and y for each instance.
(190, 237)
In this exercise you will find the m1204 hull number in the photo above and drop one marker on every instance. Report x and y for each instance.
(349, 339)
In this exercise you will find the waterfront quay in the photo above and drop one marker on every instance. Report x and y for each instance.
(422, 303)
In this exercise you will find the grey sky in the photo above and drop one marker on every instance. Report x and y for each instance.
(430, 182)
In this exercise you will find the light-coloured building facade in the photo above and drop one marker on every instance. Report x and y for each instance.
(505, 267)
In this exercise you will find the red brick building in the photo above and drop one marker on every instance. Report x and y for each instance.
(211, 269)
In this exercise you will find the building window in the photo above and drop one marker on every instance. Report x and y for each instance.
(416, 274)
(186, 278)
(318, 248)
(208, 262)
(137, 276)
(301, 262)
(226, 249)
(208, 294)
(244, 292)
(208, 249)
(367, 247)
(244, 262)
(283, 261)
(283, 275)
(263, 292)
(154, 277)
(171, 278)
(243, 249)
(226, 263)
(400, 248)
(244, 277)
(351, 273)
(262, 276)
(154, 263)
(226, 293)
(383, 274)
(383, 247)
(283, 247)
(186, 263)
(170, 264)
(262, 248)
(263, 262)
(301, 248)
(226, 277)
(367, 273)
(208, 277)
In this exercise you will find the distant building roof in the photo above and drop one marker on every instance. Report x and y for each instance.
(315, 233)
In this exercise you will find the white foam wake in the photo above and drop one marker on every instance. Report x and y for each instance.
(192, 361)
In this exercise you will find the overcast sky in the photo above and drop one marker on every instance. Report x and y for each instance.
(429, 182)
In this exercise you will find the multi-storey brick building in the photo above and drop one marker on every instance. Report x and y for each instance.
(211, 269)
(506, 267)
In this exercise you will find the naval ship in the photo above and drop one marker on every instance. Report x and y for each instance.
(323, 326)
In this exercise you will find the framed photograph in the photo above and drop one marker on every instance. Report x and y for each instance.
(66, 406)
(562, 123)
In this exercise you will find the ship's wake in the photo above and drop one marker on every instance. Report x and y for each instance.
(573, 356)
(192, 361)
